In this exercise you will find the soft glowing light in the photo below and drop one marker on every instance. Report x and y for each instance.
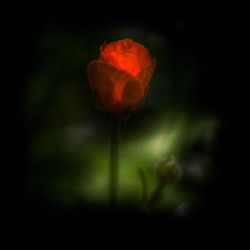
(158, 144)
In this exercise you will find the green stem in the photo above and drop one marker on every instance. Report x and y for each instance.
(144, 187)
(155, 197)
(114, 162)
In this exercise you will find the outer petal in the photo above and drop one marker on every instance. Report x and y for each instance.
(142, 54)
(146, 73)
(116, 89)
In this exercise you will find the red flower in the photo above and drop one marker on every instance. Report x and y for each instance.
(121, 75)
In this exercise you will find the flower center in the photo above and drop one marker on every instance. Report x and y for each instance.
(126, 61)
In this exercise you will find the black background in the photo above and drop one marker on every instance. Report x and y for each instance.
(210, 34)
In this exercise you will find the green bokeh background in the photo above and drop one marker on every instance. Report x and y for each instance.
(69, 138)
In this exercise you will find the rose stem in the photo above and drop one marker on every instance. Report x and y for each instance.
(114, 161)
(155, 197)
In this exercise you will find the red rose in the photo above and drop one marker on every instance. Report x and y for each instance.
(121, 75)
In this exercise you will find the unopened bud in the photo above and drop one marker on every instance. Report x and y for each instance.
(168, 171)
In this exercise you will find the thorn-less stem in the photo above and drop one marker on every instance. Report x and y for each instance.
(155, 197)
(114, 162)
(144, 187)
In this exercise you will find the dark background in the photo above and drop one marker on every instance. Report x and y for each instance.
(208, 30)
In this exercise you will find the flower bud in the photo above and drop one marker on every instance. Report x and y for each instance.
(121, 76)
(168, 171)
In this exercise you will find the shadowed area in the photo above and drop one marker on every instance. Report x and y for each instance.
(65, 137)
(69, 140)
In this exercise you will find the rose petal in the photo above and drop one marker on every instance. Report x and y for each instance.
(116, 89)
(146, 73)
(142, 54)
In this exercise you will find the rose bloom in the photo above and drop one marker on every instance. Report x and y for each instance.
(121, 76)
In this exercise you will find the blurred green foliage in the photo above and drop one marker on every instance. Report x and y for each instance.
(69, 146)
